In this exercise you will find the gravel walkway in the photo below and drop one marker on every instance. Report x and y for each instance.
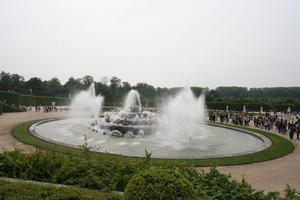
(9, 120)
(269, 176)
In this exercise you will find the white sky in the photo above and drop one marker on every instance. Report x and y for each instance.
(251, 43)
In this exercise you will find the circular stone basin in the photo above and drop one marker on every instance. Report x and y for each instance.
(212, 141)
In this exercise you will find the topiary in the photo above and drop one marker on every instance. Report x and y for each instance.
(157, 183)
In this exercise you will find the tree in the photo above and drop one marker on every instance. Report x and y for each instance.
(73, 85)
(34, 85)
(115, 82)
(114, 86)
(126, 87)
(53, 86)
(87, 80)
(4, 81)
(17, 82)
(147, 93)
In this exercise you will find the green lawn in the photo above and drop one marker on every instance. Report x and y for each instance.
(280, 147)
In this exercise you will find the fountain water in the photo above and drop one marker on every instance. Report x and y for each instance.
(182, 118)
(133, 102)
(86, 103)
(130, 120)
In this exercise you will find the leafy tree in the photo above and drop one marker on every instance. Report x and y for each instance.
(35, 85)
(73, 85)
(87, 80)
(115, 82)
(53, 86)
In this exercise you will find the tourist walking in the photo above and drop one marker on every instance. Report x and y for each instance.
(292, 128)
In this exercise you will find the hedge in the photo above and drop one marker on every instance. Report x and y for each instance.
(251, 106)
(10, 98)
(11, 108)
(158, 183)
(17, 99)
(22, 190)
(27, 100)
(1, 107)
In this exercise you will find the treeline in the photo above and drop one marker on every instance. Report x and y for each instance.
(243, 92)
(114, 90)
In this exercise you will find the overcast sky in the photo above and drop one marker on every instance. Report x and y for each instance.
(251, 43)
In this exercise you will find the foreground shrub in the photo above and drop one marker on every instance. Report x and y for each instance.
(22, 191)
(80, 171)
(214, 186)
(161, 184)
(141, 181)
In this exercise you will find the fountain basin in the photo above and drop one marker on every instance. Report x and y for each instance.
(212, 142)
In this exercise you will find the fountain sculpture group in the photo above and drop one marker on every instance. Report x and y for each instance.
(180, 112)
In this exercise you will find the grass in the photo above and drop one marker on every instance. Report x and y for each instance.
(280, 147)
(17, 190)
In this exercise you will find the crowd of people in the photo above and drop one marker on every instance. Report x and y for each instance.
(45, 109)
(283, 123)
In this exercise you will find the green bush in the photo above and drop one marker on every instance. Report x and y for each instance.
(16, 99)
(27, 100)
(10, 98)
(139, 181)
(155, 183)
(84, 171)
(11, 108)
(20, 191)
(214, 186)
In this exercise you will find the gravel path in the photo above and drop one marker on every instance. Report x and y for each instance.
(9, 120)
(269, 176)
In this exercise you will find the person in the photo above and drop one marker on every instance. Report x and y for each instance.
(283, 127)
(292, 130)
(298, 129)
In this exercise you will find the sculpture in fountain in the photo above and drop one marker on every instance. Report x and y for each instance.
(131, 120)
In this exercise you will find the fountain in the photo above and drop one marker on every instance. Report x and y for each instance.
(176, 130)
(130, 120)
(182, 118)
(86, 103)
(133, 102)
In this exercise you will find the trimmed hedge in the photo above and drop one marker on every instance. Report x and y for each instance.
(17, 99)
(251, 106)
(155, 183)
(27, 100)
(11, 108)
(10, 98)
(82, 170)
(1, 107)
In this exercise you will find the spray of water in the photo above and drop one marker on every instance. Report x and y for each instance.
(133, 102)
(182, 118)
(86, 103)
